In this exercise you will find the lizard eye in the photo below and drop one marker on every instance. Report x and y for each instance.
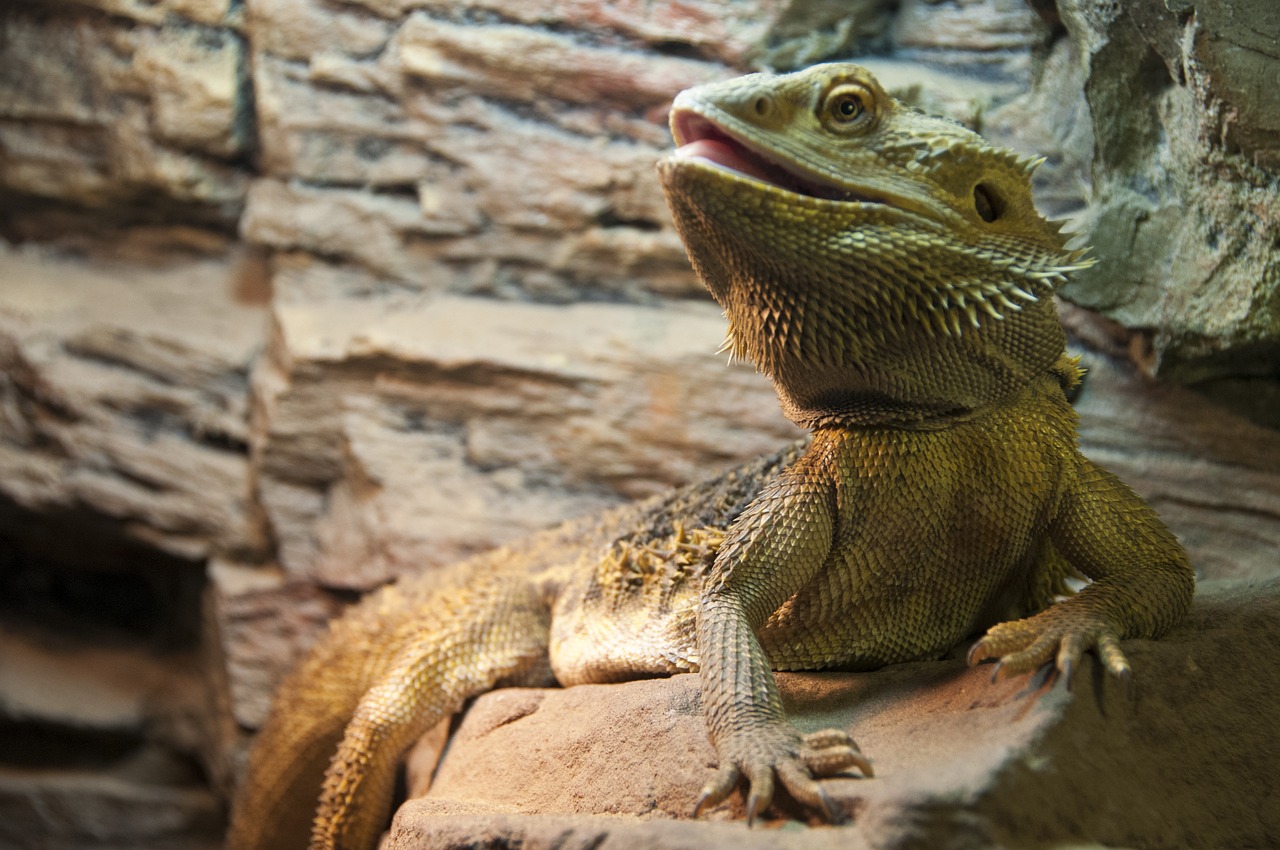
(844, 106)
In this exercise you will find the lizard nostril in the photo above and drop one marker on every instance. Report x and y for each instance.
(762, 106)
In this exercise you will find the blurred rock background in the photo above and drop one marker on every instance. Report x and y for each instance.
(299, 295)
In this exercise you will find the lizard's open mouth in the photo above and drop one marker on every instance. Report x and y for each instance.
(699, 138)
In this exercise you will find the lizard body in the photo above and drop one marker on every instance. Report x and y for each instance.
(888, 271)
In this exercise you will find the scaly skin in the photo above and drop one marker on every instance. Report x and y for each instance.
(888, 271)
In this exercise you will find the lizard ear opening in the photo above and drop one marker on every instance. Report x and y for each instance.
(987, 202)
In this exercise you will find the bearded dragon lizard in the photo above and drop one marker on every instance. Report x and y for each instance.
(889, 272)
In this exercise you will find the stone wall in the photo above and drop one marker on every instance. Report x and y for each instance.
(297, 296)
(140, 112)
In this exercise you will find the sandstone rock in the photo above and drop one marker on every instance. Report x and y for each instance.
(400, 434)
(336, 135)
(125, 393)
(998, 34)
(368, 228)
(97, 736)
(261, 625)
(525, 64)
(105, 689)
(121, 806)
(721, 29)
(960, 762)
(160, 12)
(306, 30)
(192, 80)
(489, 184)
(106, 113)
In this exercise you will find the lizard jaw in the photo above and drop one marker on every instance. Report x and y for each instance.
(698, 137)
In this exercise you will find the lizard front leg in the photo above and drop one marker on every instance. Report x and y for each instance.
(780, 542)
(1142, 582)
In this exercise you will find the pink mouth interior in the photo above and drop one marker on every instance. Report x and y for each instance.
(728, 155)
(704, 140)
(701, 139)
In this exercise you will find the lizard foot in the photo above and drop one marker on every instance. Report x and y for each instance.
(779, 753)
(1060, 634)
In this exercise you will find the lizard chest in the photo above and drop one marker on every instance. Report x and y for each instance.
(937, 535)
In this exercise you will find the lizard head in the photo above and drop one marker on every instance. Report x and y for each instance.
(879, 264)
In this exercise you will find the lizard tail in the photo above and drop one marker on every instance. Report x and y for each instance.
(276, 800)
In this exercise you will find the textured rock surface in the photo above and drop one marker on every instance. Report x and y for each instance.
(1186, 197)
(504, 159)
(98, 744)
(261, 624)
(408, 434)
(125, 393)
(1213, 476)
(112, 807)
(133, 110)
(960, 762)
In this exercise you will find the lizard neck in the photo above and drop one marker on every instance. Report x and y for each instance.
(867, 412)
(866, 415)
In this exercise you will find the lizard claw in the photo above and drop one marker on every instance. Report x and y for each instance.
(833, 814)
(1067, 669)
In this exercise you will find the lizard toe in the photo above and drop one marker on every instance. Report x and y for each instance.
(1028, 659)
(760, 778)
(807, 791)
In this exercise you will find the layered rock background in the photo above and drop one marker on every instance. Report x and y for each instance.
(298, 296)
